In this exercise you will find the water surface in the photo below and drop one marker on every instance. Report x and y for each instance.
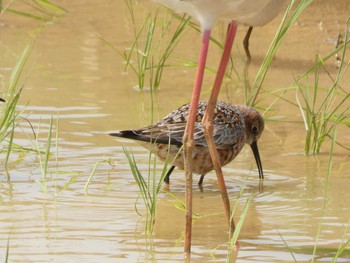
(73, 74)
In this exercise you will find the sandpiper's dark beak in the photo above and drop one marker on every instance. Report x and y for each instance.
(255, 149)
(1, 99)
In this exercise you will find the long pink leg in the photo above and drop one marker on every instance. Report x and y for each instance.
(188, 139)
(208, 124)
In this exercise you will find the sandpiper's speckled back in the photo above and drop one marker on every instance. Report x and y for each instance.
(233, 127)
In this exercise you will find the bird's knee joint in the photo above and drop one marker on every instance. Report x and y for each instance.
(207, 125)
(188, 142)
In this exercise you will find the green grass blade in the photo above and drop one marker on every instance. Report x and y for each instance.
(141, 183)
(233, 240)
(51, 6)
(325, 195)
(342, 249)
(276, 42)
(9, 149)
(288, 247)
(48, 148)
(93, 171)
(25, 14)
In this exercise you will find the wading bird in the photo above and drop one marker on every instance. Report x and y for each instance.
(207, 12)
(234, 126)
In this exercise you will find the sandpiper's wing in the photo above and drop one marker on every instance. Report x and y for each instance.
(229, 128)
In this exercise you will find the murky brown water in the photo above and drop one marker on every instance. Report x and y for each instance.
(73, 74)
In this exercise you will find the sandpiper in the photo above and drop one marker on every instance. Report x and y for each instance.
(234, 126)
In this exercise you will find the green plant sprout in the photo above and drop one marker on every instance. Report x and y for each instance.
(41, 10)
(323, 109)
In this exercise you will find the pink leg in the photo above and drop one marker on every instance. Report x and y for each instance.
(188, 139)
(208, 125)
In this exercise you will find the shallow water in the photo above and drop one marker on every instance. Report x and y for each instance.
(74, 75)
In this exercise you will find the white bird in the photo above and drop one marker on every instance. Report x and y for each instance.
(207, 12)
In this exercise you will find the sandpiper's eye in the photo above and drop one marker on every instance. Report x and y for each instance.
(254, 129)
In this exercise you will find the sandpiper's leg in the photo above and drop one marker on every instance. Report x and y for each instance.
(200, 182)
(246, 43)
(208, 122)
(188, 139)
(167, 176)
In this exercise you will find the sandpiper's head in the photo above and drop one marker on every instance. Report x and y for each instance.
(254, 124)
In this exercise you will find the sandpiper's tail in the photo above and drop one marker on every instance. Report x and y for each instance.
(139, 136)
(130, 134)
(133, 135)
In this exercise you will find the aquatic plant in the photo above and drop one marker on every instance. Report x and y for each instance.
(9, 114)
(316, 250)
(234, 239)
(325, 191)
(41, 10)
(149, 187)
(153, 43)
(44, 155)
(288, 20)
(12, 94)
(11, 118)
(323, 108)
(94, 169)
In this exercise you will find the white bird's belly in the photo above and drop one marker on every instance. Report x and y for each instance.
(265, 15)
(206, 12)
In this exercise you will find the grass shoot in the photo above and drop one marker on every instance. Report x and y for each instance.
(41, 10)
(323, 108)
(149, 186)
(153, 43)
(288, 20)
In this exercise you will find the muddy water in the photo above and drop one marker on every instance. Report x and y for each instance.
(74, 75)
